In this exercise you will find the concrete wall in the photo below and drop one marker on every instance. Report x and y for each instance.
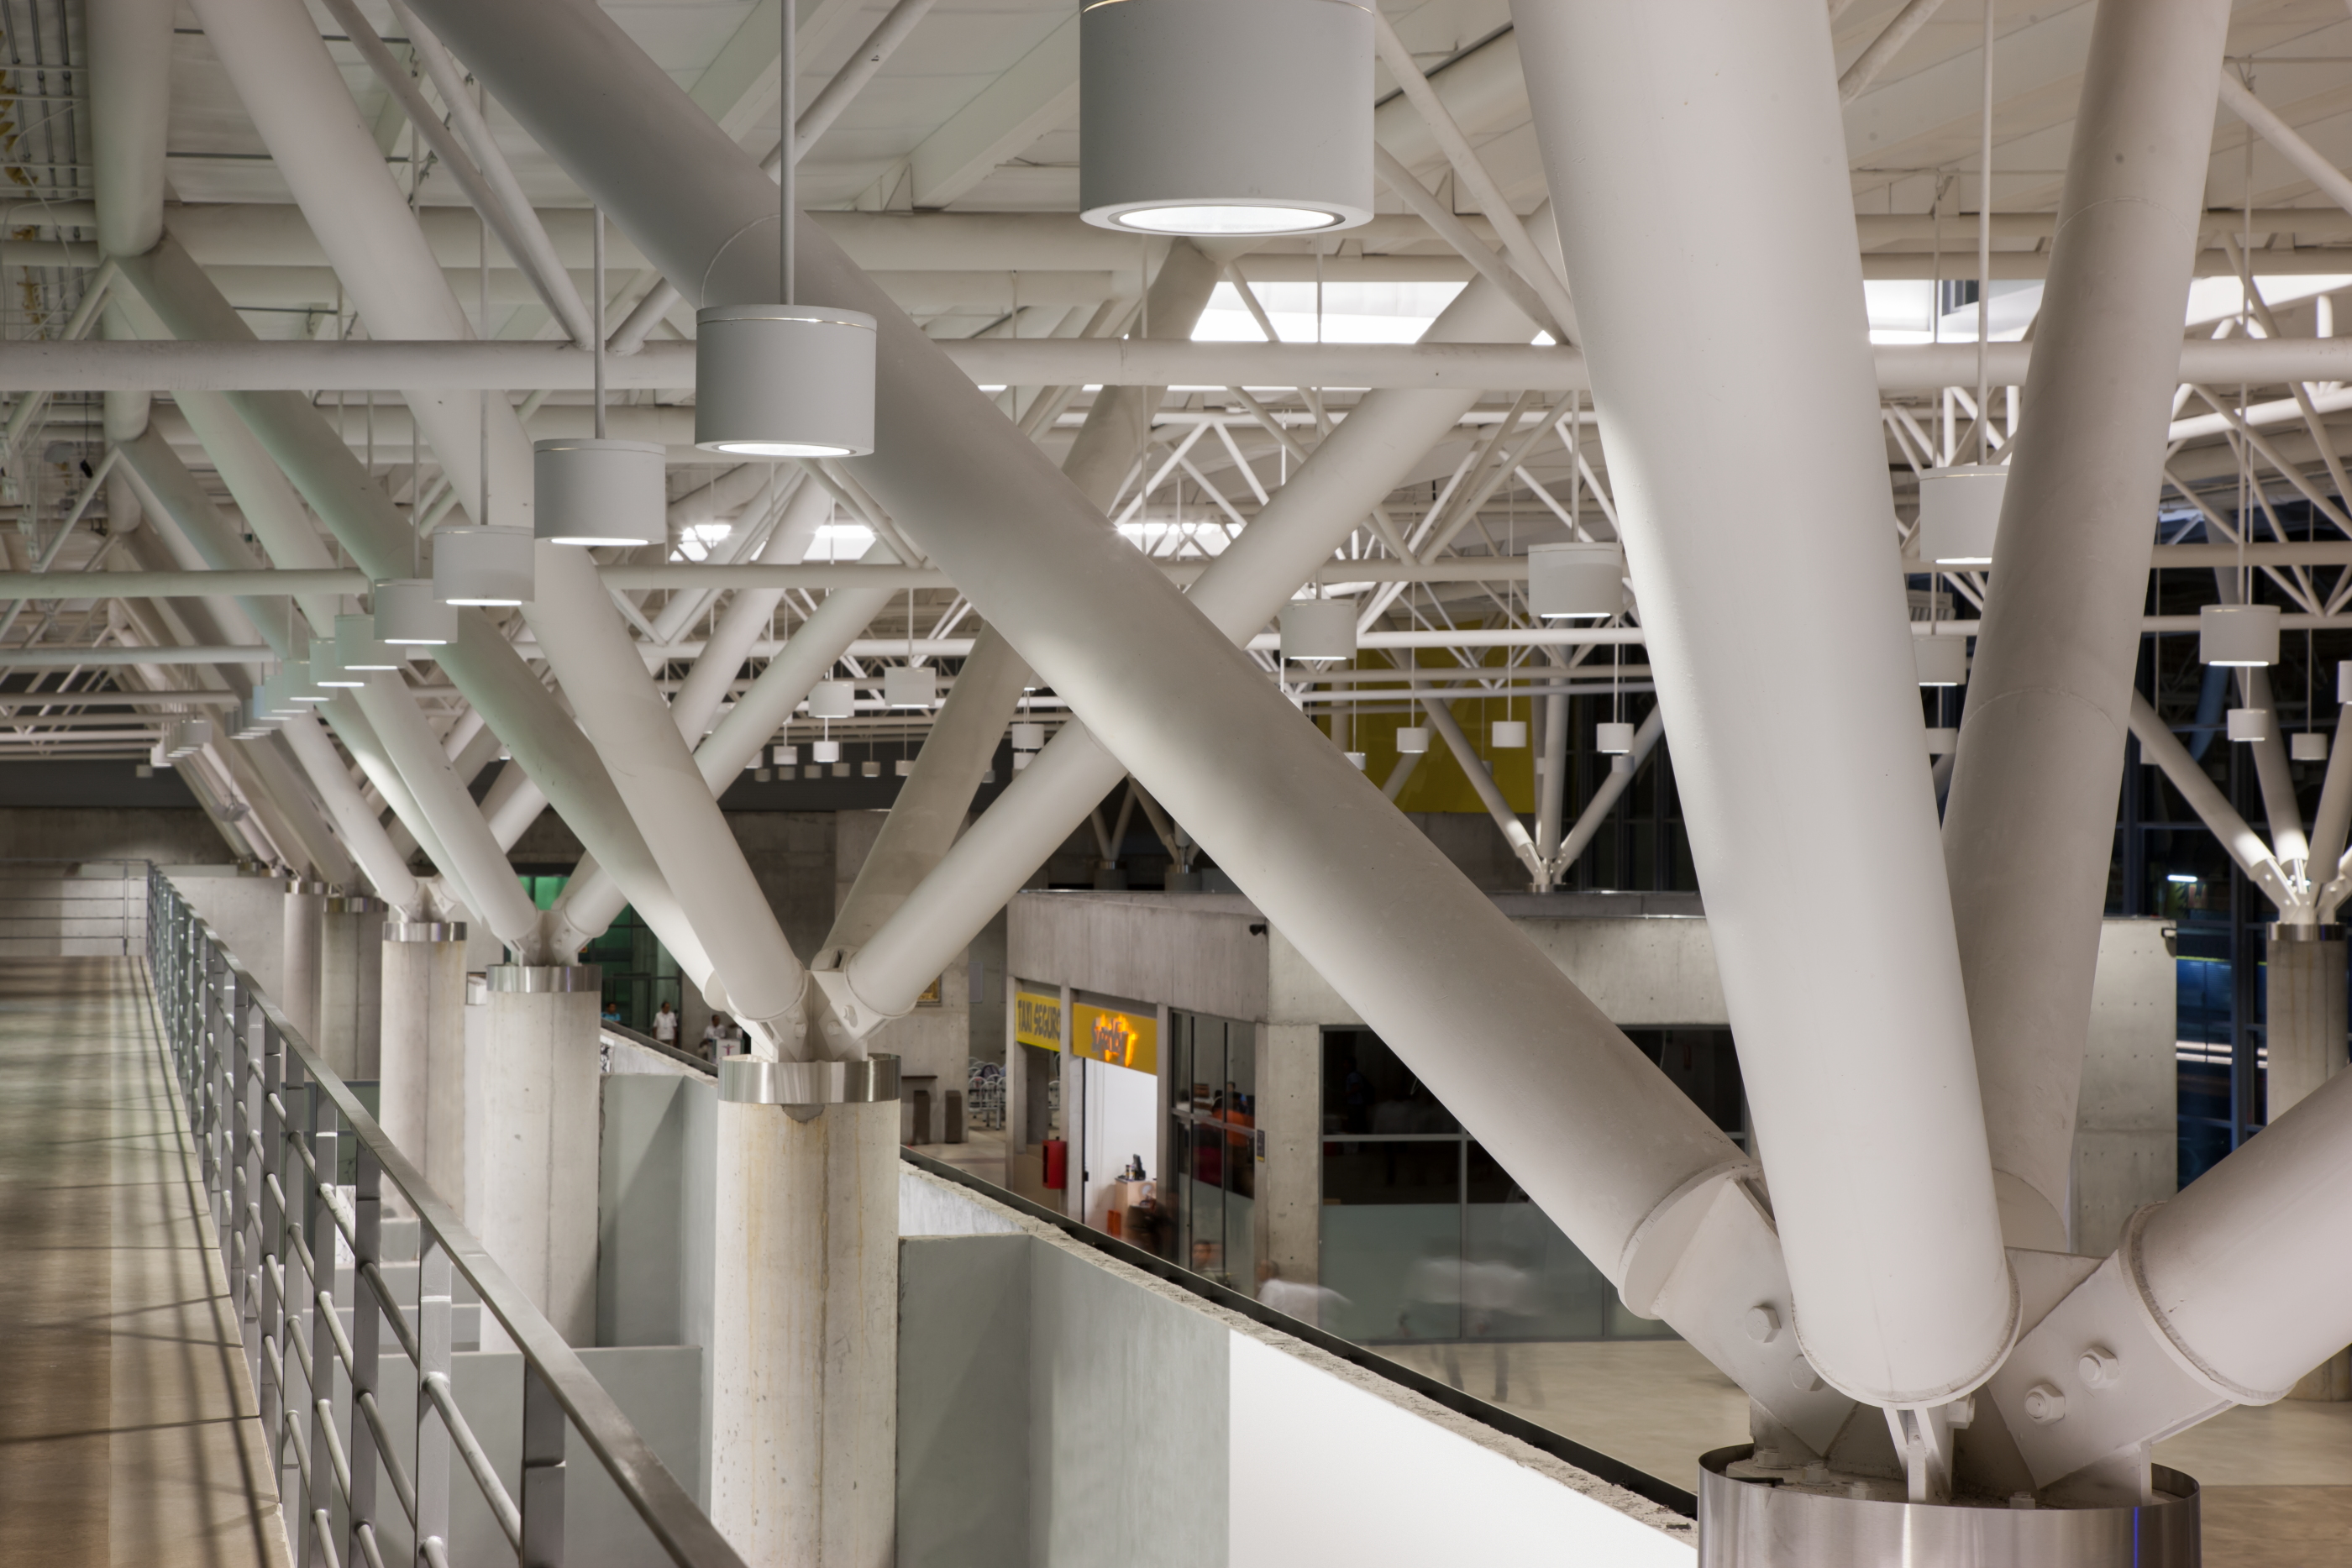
(165, 835)
(2127, 1128)
(1191, 950)
(250, 914)
(1161, 1429)
(932, 1041)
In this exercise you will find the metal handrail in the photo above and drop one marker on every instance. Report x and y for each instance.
(235, 1059)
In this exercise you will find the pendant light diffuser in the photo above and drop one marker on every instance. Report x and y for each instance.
(1576, 581)
(1942, 660)
(1613, 739)
(832, 699)
(327, 672)
(1412, 740)
(1226, 117)
(357, 646)
(2237, 636)
(481, 566)
(407, 615)
(783, 380)
(824, 751)
(1959, 512)
(1319, 631)
(1028, 736)
(590, 492)
(909, 686)
(2307, 745)
(2250, 724)
(1510, 735)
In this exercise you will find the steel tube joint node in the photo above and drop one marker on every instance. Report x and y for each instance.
(755, 1080)
(536, 979)
(843, 1017)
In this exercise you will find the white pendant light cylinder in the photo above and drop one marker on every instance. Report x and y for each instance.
(824, 751)
(1942, 660)
(832, 699)
(1941, 742)
(1612, 739)
(2307, 745)
(1319, 631)
(1412, 740)
(1510, 735)
(1226, 117)
(327, 671)
(1576, 581)
(2237, 636)
(409, 615)
(482, 566)
(2250, 724)
(357, 646)
(589, 491)
(909, 686)
(1959, 512)
(783, 380)
(1028, 736)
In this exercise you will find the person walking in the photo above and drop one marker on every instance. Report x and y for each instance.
(666, 1027)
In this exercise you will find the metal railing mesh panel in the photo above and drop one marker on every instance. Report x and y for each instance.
(271, 1124)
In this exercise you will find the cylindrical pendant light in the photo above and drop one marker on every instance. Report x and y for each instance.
(1510, 735)
(1412, 740)
(1612, 739)
(2237, 636)
(1319, 631)
(2250, 724)
(783, 380)
(357, 647)
(1942, 660)
(1028, 736)
(1356, 760)
(1226, 117)
(591, 492)
(249, 722)
(408, 615)
(2307, 745)
(824, 751)
(1576, 581)
(784, 755)
(832, 699)
(1959, 512)
(909, 685)
(481, 566)
(280, 693)
(327, 671)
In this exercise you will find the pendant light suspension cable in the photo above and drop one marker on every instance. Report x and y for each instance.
(1984, 257)
(787, 168)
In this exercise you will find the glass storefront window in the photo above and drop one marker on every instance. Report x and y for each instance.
(1213, 1105)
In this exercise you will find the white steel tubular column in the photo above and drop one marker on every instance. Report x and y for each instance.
(1856, 1052)
(2029, 824)
(1582, 1120)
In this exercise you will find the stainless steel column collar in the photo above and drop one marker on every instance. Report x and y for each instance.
(535, 979)
(750, 1081)
(425, 931)
(295, 884)
(2283, 931)
(355, 903)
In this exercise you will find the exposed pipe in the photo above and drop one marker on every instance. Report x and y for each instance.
(2159, 745)
(2029, 823)
(1880, 1187)
(1551, 787)
(1883, 49)
(1515, 832)
(746, 619)
(129, 79)
(1621, 773)
(386, 871)
(2272, 771)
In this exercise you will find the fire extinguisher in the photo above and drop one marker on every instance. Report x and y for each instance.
(1057, 1164)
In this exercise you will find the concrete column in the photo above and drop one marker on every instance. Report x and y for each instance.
(1073, 1114)
(422, 1071)
(1290, 1183)
(805, 1357)
(306, 911)
(350, 986)
(2306, 1009)
(538, 1178)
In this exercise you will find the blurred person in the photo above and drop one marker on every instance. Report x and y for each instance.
(666, 1026)
(1308, 1304)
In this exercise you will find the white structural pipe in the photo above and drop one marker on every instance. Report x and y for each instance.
(2281, 812)
(359, 738)
(1622, 770)
(1515, 832)
(129, 44)
(747, 617)
(1584, 1122)
(369, 844)
(2029, 821)
(2159, 745)
(2263, 121)
(444, 369)
(1872, 1134)
(1552, 786)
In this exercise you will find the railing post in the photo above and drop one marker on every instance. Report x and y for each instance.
(434, 1448)
(239, 1242)
(367, 1246)
(275, 1134)
(318, 1230)
(543, 1473)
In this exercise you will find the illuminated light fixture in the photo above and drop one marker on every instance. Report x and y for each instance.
(408, 615)
(909, 685)
(1943, 742)
(1314, 631)
(1613, 739)
(1226, 117)
(2239, 636)
(481, 566)
(2250, 724)
(1028, 736)
(591, 492)
(832, 699)
(2181, 878)
(1510, 735)
(302, 683)
(903, 766)
(1942, 660)
(783, 380)
(1412, 740)
(1354, 759)
(869, 768)
(157, 758)
(784, 755)
(357, 647)
(1959, 512)
(1021, 759)
(2307, 745)
(186, 737)
(252, 723)
(1576, 581)
(824, 751)
(278, 695)
(327, 670)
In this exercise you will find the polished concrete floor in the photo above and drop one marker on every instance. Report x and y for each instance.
(2277, 1478)
(128, 1433)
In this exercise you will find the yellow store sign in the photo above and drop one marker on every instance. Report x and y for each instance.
(1105, 1034)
